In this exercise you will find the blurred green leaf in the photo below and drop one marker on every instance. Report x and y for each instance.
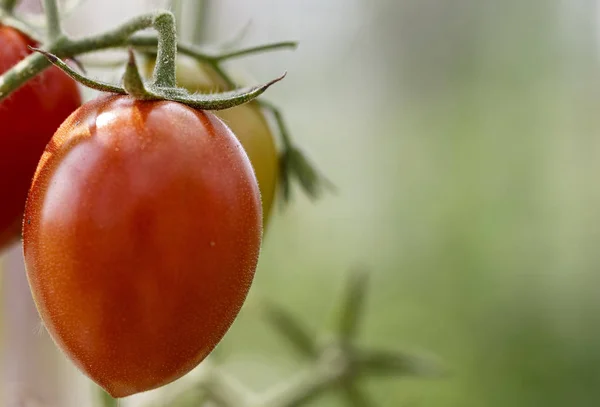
(390, 363)
(223, 390)
(355, 396)
(353, 302)
(302, 340)
(297, 165)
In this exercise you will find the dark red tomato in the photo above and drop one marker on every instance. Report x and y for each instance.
(28, 119)
(141, 235)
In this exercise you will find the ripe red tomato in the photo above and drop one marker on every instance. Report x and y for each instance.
(28, 118)
(247, 122)
(141, 235)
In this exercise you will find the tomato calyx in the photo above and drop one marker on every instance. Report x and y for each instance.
(135, 86)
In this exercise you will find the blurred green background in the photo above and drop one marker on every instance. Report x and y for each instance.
(463, 138)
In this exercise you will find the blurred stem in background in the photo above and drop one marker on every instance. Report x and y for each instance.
(31, 366)
(191, 19)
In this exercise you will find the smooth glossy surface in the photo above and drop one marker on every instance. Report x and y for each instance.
(141, 236)
(247, 122)
(28, 119)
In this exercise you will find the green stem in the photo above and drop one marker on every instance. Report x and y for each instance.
(111, 39)
(225, 391)
(307, 386)
(283, 130)
(33, 64)
(214, 60)
(93, 84)
(116, 38)
(26, 69)
(149, 43)
(199, 30)
(164, 70)
(255, 50)
(134, 86)
(8, 5)
(177, 7)
(54, 26)
(224, 75)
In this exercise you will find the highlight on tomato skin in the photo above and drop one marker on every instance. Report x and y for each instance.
(28, 119)
(141, 236)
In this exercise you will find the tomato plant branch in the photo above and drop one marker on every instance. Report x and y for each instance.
(149, 43)
(135, 86)
(90, 83)
(305, 387)
(164, 70)
(121, 37)
(337, 365)
(54, 26)
(35, 63)
(255, 50)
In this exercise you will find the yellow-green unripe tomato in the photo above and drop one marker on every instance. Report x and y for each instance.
(247, 122)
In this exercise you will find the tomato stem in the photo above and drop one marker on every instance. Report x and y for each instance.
(121, 36)
(149, 43)
(35, 63)
(256, 50)
(177, 9)
(54, 26)
(134, 86)
(26, 69)
(281, 125)
(90, 83)
(164, 70)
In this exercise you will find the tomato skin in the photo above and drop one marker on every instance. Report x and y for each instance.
(141, 236)
(247, 122)
(28, 119)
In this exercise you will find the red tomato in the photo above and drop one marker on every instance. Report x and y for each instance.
(141, 235)
(28, 118)
(247, 122)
